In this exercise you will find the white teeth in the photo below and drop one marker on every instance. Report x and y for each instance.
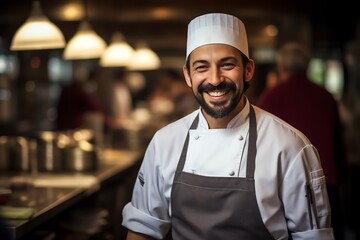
(217, 94)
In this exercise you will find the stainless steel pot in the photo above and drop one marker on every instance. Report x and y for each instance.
(81, 157)
(4, 154)
(21, 154)
(49, 152)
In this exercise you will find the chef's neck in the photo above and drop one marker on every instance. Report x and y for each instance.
(214, 123)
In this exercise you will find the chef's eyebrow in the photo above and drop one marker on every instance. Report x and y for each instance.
(230, 58)
(225, 59)
(201, 61)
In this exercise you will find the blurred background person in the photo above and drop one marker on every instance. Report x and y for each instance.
(172, 98)
(79, 106)
(272, 77)
(314, 111)
(77, 100)
(181, 94)
(122, 103)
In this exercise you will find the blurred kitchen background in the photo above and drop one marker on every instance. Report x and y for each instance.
(32, 80)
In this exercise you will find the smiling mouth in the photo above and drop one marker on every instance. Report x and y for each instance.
(218, 93)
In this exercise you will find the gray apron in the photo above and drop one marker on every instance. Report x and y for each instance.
(217, 207)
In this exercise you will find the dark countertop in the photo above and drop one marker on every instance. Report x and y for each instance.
(50, 194)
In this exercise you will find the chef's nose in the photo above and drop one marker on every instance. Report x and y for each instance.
(216, 77)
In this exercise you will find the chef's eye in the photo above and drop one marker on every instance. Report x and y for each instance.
(201, 68)
(228, 66)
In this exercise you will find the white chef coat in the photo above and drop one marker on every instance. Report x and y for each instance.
(286, 162)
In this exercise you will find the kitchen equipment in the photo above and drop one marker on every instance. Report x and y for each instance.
(19, 213)
(21, 154)
(4, 154)
(80, 157)
(49, 152)
(84, 134)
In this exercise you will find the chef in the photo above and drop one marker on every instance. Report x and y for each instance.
(228, 170)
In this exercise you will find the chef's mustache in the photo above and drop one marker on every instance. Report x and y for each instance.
(208, 87)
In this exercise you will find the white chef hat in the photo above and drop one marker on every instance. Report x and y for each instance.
(216, 28)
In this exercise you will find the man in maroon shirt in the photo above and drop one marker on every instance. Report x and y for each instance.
(313, 110)
(76, 100)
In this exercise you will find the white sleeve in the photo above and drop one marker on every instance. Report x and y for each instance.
(306, 204)
(148, 211)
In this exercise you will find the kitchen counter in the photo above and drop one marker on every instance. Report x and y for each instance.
(51, 194)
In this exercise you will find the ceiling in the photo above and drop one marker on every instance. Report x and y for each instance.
(162, 23)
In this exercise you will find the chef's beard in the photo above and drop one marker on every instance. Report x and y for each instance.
(222, 108)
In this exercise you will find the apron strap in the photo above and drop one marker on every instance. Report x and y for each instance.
(181, 164)
(250, 169)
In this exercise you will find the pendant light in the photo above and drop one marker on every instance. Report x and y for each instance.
(118, 53)
(85, 44)
(144, 58)
(37, 32)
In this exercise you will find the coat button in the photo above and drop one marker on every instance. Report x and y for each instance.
(196, 137)
(241, 138)
(232, 173)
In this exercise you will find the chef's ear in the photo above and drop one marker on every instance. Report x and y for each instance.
(186, 72)
(249, 70)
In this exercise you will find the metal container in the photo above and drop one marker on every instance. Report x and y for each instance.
(4, 154)
(80, 158)
(49, 152)
(21, 154)
(128, 138)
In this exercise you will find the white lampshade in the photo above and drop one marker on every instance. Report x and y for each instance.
(85, 44)
(37, 33)
(118, 53)
(144, 58)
